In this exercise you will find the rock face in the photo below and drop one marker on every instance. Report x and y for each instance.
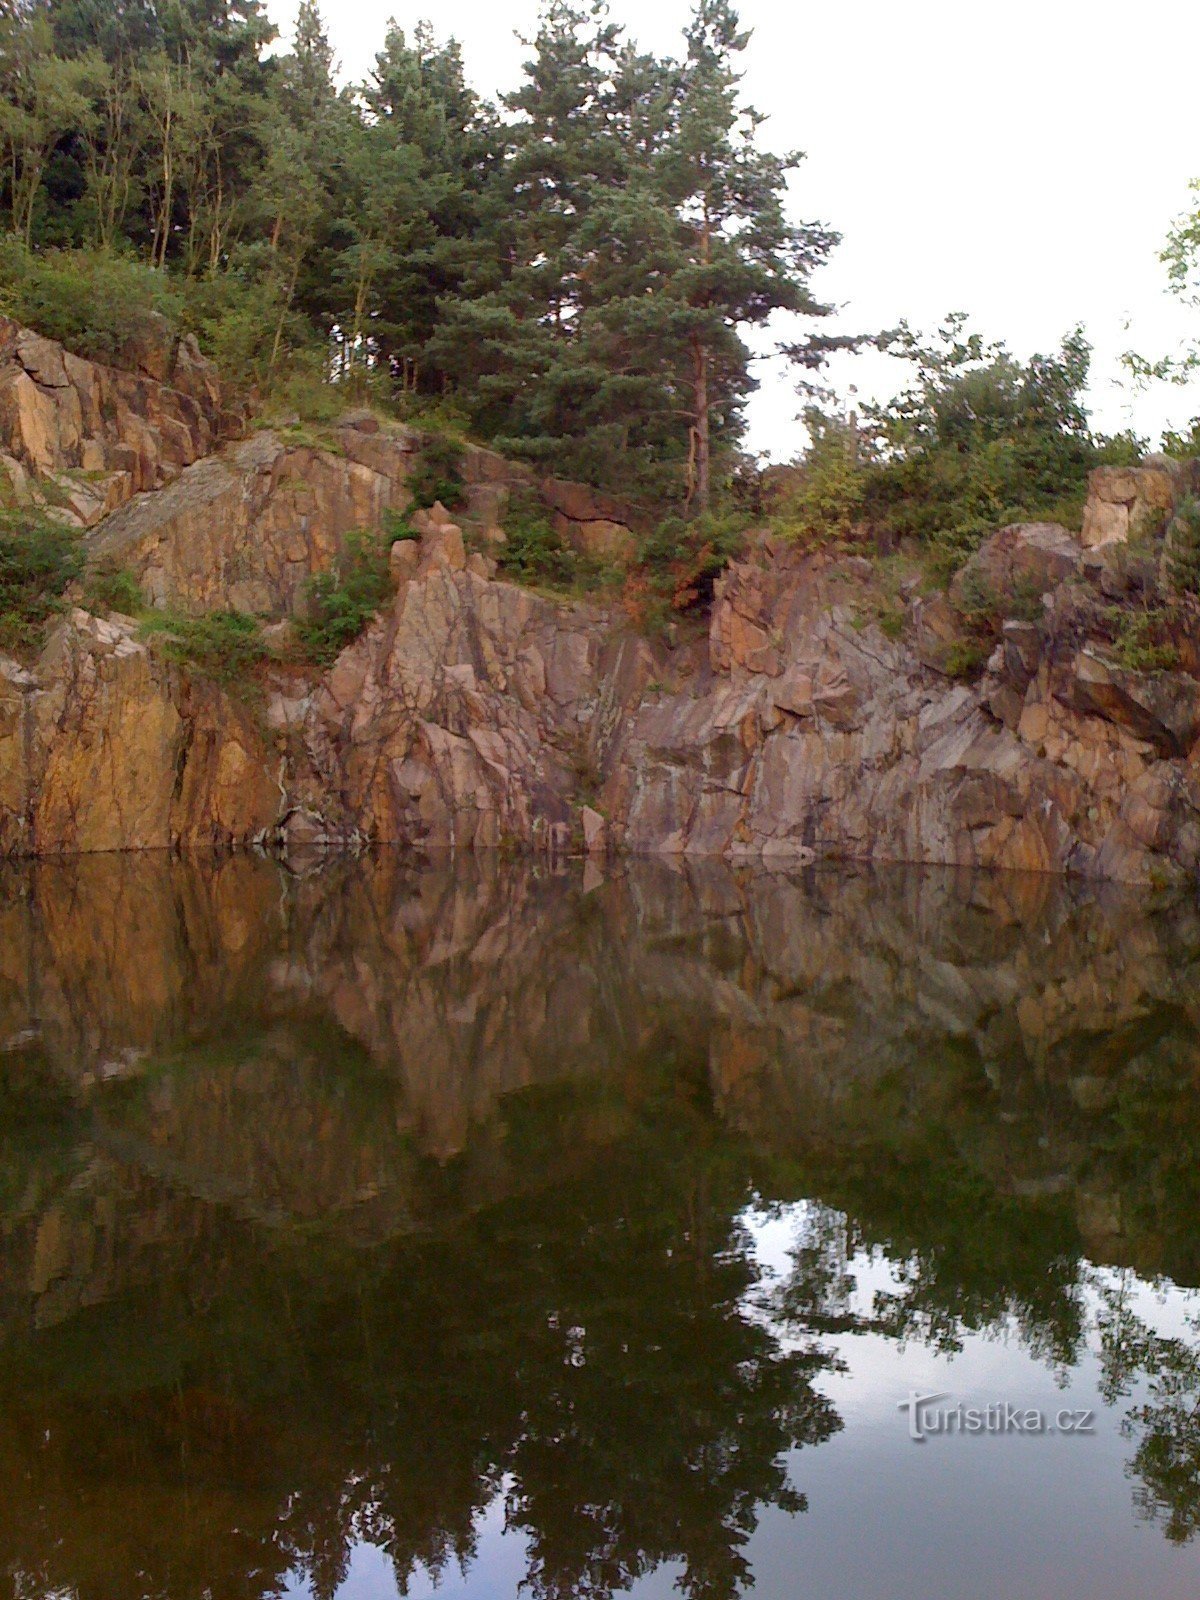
(104, 747)
(1128, 501)
(465, 717)
(245, 529)
(88, 437)
(816, 721)
(595, 525)
(476, 713)
(1020, 563)
(806, 734)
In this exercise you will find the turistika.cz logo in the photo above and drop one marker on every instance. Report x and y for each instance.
(927, 1418)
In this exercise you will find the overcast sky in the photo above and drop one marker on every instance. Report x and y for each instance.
(1021, 162)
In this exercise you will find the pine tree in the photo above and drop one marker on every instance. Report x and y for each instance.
(503, 334)
(419, 102)
(738, 260)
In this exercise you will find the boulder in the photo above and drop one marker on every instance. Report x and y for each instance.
(1018, 564)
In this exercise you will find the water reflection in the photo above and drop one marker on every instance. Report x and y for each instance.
(336, 1209)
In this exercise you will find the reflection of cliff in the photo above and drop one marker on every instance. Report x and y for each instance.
(998, 1021)
(339, 1049)
(330, 1204)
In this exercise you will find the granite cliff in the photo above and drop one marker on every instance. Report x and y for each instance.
(825, 715)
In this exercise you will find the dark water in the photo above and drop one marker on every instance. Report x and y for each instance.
(499, 1231)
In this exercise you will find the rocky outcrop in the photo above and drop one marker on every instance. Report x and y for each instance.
(476, 713)
(103, 746)
(808, 733)
(1017, 565)
(825, 716)
(1132, 502)
(84, 438)
(469, 715)
(244, 530)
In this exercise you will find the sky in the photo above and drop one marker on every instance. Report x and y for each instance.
(1021, 162)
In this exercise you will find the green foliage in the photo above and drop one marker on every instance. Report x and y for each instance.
(439, 473)
(1181, 257)
(1141, 638)
(39, 557)
(98, 305)
(397, 527)
(965, 659)
(224, 646)
(108, 588)
(1181, 557)
(977, 440)
(642, 232)
(340, 604)
(235, 316)
(535, 551)
(825, 502)
(572, 275)
(678, 563)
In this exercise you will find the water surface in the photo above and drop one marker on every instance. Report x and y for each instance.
(485, 1229)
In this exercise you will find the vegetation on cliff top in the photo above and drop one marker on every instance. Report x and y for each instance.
(570, 272)
(977, 440)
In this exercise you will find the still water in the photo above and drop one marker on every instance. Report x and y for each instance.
(495, 1231)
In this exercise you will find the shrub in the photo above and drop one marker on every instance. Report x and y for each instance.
(94, 303)
(397, 527)
(235, 316)
(1141, 639)
(39, 557)
(978, 439)
(113, 589)
(341, 603)
(680, 559)
(439, 475)
(826, 497)
(1182, 555)
(535, 552)
(965, 658)
(222, 645)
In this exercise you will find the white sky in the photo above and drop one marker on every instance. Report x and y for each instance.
(1021, 162)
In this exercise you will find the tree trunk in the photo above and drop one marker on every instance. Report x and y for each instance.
(700, 404)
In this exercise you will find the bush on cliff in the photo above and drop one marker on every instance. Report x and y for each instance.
(39, 557)
(340, 604)
(1181, 556)
(978, 439)
(221, 645)
(96, 304)
(438, 475)
(535, 551)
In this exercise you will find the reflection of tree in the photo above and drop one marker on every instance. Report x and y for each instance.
(1166, 1423)
(225, 1390)
(963, 1258)
(266, 1403)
